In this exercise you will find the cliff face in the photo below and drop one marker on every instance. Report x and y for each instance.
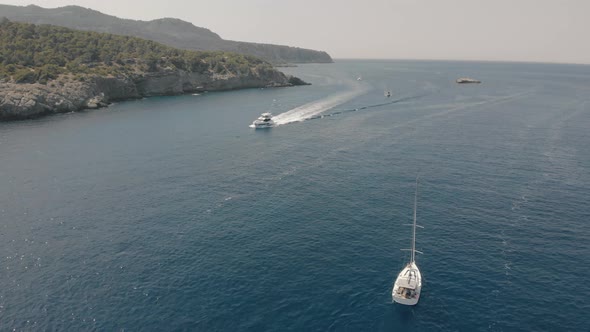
(22, 101)
(168, 31)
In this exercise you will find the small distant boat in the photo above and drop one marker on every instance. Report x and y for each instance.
(264, 121)
(408, 285)
(387, 94)
(463, 80)
(360, 78)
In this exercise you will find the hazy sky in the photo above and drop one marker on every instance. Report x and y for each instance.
(519, 30)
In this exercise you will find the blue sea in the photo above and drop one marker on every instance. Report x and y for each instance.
(171, 214)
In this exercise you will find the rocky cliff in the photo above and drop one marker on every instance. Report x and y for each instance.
(66, 94)
(168, 31)
(47, 69)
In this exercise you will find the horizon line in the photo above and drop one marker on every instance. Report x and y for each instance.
(468, 60)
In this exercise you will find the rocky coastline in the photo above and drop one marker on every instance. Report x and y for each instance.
(67, 93)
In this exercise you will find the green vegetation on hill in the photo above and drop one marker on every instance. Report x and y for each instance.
(38, 53)
(168, 31)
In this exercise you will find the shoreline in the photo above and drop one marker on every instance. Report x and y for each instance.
(24, 101)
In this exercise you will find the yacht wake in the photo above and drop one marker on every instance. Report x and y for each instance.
(394, 101)
(314, 108)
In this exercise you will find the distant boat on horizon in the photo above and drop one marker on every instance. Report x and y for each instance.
(463, 80)
(408, 285)
(360, 78)
(387, 94)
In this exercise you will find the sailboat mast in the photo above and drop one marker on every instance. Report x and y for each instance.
(413, 256)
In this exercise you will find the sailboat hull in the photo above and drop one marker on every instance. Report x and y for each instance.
(407, 286)
(405, 301)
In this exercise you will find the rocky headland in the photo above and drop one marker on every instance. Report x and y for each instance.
(66, 94)
(48, 69)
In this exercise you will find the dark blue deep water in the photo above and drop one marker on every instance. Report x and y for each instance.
(170, 214)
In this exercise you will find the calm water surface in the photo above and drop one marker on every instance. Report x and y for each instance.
(171, 214)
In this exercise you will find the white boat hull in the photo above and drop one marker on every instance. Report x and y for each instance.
(264, 121)
(261, 124)
(407, 286)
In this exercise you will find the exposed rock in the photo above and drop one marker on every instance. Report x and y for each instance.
(22, 101)
(96, 102)
(297, 81)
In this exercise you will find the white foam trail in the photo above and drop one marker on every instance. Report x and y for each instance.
(309, 110)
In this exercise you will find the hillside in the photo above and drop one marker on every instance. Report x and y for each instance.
(30, 53)
(47, 69)
(168, 31)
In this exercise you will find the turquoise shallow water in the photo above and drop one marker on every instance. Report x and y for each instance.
(171, 214)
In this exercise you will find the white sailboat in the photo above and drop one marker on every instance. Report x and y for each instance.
(408, 285)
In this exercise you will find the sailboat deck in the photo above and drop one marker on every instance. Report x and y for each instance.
(409, 277)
